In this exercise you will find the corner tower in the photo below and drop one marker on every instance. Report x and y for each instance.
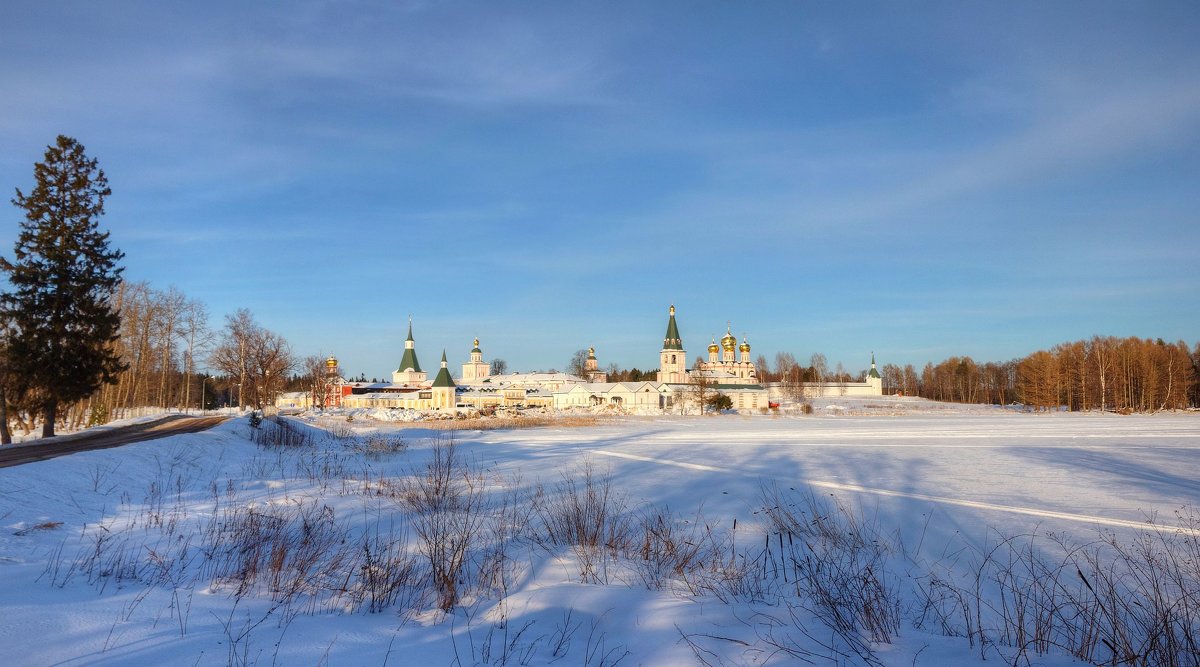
(672, 360)
(443, 388)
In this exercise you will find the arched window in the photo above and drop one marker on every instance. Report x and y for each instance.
(672, 360)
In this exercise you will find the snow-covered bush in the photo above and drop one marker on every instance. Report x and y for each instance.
(1111, 600)
(585, 512)
(448, 505)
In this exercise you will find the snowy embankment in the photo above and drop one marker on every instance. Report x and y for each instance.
(138, 416)
(669, 540)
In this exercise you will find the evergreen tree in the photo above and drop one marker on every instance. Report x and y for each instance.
(720, 402)
(5, 384)
(58, 309)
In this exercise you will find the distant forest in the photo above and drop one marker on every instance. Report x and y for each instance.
(1104, 373)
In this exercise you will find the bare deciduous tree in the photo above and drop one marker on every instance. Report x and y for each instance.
(162, 335)
(318, 379)
(196, 337)
(910, 380)
(1103, 358)
(577, 366)
(700, 386)
(820, 369)
(893, 379)
(764, 370)
(259, 358)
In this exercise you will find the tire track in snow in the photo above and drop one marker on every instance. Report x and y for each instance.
(974, 504)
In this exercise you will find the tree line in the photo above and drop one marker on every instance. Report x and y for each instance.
(170, 356)
(78, 342)
(173, 358)
(1101, 373)
(1122, 374)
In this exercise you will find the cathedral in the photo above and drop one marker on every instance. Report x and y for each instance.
(728, 363)
(728, 369)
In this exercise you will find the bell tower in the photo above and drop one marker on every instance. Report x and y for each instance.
(591, 368)
(672, 360)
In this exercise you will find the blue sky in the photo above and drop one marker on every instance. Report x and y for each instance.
(915, 179)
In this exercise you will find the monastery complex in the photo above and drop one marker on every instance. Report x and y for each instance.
(728, 370)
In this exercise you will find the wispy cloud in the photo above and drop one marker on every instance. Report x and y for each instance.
(1086, 135)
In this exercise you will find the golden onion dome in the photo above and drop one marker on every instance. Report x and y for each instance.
(728, 341)
(714, 348)
(331, 362)
(744, 347)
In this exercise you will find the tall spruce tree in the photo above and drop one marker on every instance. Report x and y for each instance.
(5, 383)
(58, 310)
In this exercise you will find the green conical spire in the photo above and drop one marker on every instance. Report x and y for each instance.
(874, 373)
(409, 360)
(443, 378)
(672, 341)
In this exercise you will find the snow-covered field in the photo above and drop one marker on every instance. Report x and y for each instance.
(137, 555)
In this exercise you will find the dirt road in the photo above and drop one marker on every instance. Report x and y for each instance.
(82, 442)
